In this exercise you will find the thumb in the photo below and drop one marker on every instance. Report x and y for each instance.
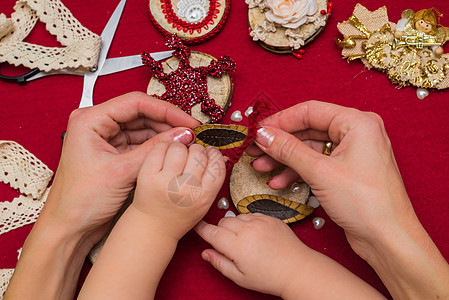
(136, 157)
(290, 151)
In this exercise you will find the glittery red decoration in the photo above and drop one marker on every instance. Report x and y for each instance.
(260, 111)
(187, 85)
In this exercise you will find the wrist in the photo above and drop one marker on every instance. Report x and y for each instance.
(50, 251)
(407, 260)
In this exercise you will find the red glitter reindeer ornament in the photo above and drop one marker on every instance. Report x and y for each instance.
(187, 85)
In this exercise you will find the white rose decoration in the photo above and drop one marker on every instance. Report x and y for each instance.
(290, 13)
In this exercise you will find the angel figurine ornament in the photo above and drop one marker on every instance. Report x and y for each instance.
(285, 26)
(409, 52)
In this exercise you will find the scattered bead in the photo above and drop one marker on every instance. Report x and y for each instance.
(318, 223)
(230, 214)
(329, 7)
(297, 55)
(236, 116)
(223, 203)
(422, 93)
(249, 111)
(249, 32)
(295, 188)
(301, 51)
(313, 201)
(323, 12)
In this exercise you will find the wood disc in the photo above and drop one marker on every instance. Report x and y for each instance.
(277, 41)
(168, 18)
(251, 194)
(219, 89)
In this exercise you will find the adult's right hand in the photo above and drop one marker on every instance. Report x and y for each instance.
(359, 186)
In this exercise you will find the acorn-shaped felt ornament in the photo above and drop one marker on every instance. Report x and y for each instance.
(286, 26)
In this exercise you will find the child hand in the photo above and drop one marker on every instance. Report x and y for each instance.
(261, 253)
(177, 185)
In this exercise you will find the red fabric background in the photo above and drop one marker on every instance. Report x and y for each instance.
(35, 115)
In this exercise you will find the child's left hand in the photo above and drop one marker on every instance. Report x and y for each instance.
(177, 185)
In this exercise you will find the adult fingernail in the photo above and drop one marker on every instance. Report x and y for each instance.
(185, 136)
(264, 136)
(205, 256)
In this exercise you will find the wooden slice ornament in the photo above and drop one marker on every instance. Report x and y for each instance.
(196, 82)
(194, 21)
(251, 194)
(287, 26)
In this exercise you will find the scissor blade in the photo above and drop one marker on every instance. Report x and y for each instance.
(108, 33)
(118, 64)
(106, 39)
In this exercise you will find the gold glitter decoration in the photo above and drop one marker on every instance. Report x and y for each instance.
(408, 60)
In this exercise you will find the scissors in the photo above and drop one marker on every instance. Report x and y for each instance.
(104, 66)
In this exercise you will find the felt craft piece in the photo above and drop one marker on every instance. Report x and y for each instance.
(81, 46)
(406, 52)
(195, 82)
(286, 26)
(251, 194)
(194, 21)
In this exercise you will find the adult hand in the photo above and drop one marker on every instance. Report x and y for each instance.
(261, 253)
(103, 151)
(360, 188)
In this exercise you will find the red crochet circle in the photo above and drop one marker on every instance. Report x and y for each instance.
(181, 25)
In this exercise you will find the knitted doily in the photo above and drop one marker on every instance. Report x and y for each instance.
(23, 171)
(81, 46)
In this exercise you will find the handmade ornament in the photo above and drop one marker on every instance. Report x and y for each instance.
(285, 26)
(409, 52)
(248, 188)
(81, 46)
(195, 82)
(194, 21)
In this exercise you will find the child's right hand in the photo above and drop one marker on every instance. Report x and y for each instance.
(261, 253)
(177, 185)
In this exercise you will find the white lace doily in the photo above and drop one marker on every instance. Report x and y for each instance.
(192, 10)
(23, 171)
(81, 46)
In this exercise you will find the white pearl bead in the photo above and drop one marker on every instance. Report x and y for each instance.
(313, 201)
(421, 93)
(318, 223)
(249, 111)
(295, 188)
(223, 203)
(236, 116)
(230, 214)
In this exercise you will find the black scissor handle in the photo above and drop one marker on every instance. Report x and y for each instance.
(21, 79)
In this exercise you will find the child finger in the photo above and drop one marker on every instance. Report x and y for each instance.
(220, 238)
(196, 161)
(232, 224)
(223, 264)
(154, 161)
(175, 159)
(284, 179)
(215, 171)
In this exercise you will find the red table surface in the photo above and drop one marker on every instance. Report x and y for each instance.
(36, 114)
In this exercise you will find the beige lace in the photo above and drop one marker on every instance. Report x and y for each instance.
(81, 46)
(23, 171)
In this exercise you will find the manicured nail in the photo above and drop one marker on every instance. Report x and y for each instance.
(185, 136)
(205, 256)
(264, 136)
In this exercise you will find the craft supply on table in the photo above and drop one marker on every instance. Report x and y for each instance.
(409, 52)
(194, 21)
(195, 82)
(287, 26)
(223, 203)
(318, 223)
